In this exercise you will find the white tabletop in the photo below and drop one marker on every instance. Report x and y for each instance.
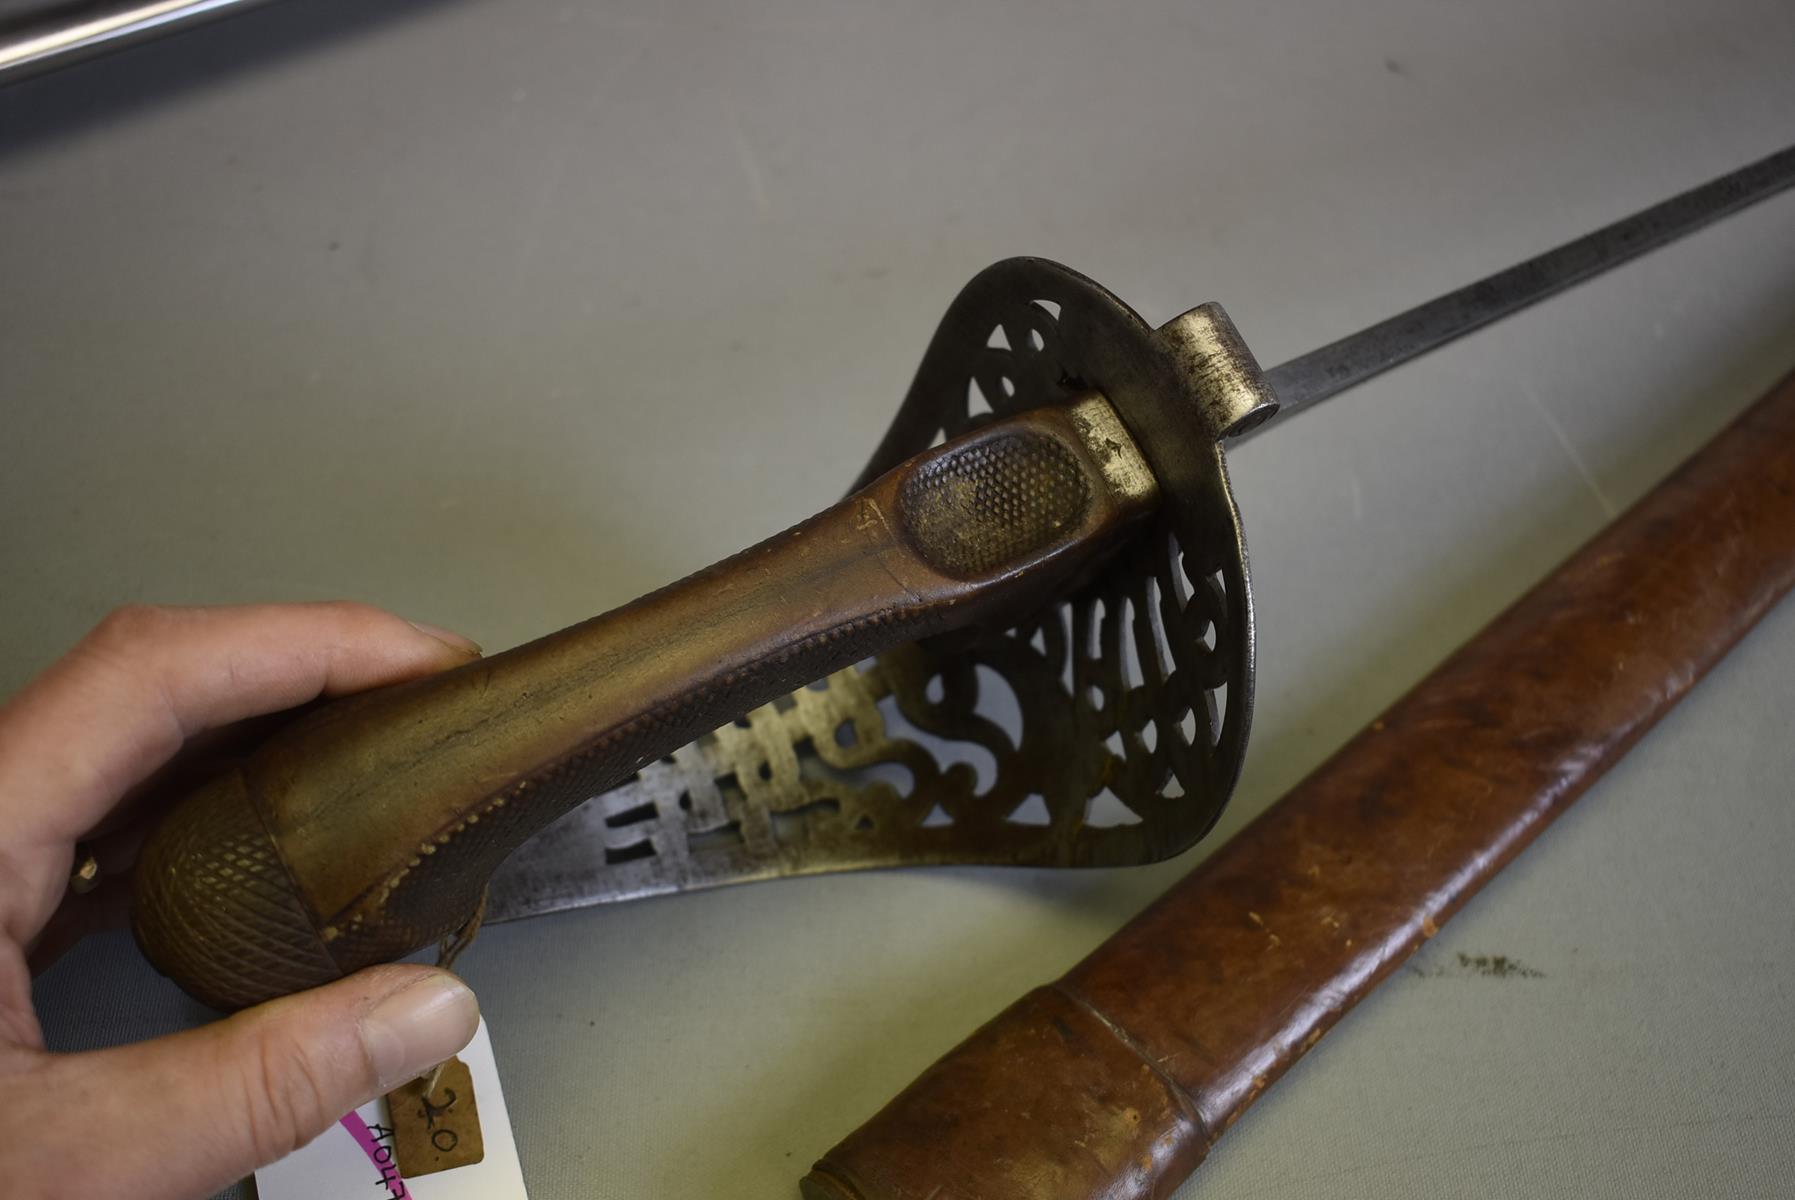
(499, 314)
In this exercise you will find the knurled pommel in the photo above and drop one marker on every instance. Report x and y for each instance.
(215, 909)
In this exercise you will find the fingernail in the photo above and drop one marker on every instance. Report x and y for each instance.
(448, 637)
(418, 1026)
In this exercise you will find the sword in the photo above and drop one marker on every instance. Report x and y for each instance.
(1025, 638)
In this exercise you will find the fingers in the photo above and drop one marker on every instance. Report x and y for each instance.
(121, 703)
(198, 760)
(182, 1116)
(106, 907)
(125, 698)
(105, 904)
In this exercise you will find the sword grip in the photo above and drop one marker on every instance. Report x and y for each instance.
(368, 828)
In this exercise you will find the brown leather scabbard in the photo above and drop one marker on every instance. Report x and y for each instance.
(1115, 1080)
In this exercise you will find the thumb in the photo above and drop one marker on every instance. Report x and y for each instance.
(182, 1116)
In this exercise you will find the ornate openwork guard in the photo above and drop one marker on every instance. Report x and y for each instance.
(1106, 729)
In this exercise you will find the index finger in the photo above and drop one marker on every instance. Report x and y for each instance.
(124, 700)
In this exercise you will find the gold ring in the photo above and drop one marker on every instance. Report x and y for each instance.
(86, 875)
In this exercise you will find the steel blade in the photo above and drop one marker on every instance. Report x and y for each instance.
(1320, 374)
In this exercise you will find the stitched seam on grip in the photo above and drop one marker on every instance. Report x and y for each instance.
(358, 910)
(1186, 1103)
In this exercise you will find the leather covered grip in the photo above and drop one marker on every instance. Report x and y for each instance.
(369, 828)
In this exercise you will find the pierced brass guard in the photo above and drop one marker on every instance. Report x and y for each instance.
(1111, 725)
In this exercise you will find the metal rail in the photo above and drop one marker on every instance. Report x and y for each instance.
(62, 34)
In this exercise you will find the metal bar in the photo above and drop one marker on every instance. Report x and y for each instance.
(1337, 366)
(67, 34)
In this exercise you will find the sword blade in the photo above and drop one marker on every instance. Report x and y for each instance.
(1320, 374)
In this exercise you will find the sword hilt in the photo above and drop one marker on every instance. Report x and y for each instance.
(368, 829)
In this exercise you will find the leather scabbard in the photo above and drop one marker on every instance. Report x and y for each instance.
(1115, 1080)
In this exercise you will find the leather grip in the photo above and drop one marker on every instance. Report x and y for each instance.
(368, 828)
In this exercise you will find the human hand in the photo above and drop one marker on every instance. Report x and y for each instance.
(182, 1116)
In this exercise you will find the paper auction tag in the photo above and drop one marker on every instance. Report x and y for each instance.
(436, 1121)
(358, 1156)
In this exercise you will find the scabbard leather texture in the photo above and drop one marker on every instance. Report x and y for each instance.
(1114, 1081)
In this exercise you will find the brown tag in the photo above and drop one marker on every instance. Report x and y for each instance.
(440, 1131)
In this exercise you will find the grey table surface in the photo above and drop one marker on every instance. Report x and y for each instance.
(501, 313)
